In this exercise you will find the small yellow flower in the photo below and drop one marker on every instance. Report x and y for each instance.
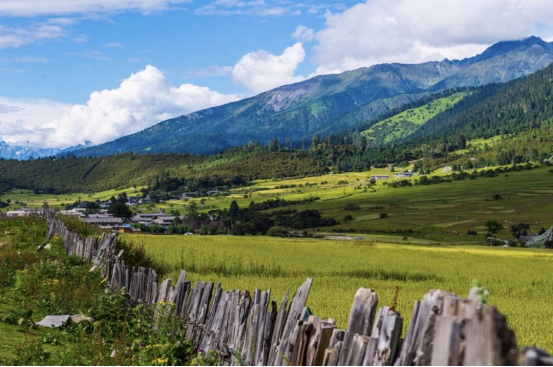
(55, 281)
(162, 360)
(103, 281)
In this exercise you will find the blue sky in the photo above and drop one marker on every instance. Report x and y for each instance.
(188, 42)
(93, 70)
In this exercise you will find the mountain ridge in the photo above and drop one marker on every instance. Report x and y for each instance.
(328, 103)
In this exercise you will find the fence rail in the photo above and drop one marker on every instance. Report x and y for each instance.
(252, 329)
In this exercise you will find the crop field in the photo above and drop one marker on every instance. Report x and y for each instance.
(36, 200)
(519, 280)
(439, 213)
(435, 213)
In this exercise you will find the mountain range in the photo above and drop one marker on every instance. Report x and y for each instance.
(329, 103)
(26, 152)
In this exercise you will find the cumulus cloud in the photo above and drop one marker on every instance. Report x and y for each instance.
(142, 100)
(57, 7)
(261, 70)
(20, 120)
(379, 31)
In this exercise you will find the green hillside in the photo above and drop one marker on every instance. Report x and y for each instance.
(407, 122)
(328, 104)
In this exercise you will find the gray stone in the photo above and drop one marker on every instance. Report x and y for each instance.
(53, 321)
(81, 318)
(48, 247)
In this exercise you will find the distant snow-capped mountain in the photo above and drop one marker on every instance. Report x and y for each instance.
(23, 153)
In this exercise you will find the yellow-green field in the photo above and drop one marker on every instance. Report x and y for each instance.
(36, 200)
(519, 280)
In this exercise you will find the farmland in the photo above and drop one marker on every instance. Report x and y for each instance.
(518, 279)
(439, 213)
(434, 213)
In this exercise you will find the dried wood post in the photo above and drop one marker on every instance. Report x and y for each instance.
(385, 338)
(360, 322)
(292, 317)
(277, 330)
(489, 341)
(332, 353)
(417, 346)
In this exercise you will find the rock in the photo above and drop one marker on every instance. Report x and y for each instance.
(81, 318)
(48, 247)
(53, 321)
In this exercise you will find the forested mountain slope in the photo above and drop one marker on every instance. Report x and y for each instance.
(328, 103)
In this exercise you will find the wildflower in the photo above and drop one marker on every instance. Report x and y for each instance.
(162, 360)
(55, 281)
(103, 281)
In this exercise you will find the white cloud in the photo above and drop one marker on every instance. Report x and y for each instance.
(19, 36)
(379, 31)
(214, 70)
(29, 8)
(20, 120)
(261, 71)
(23, 60)
(304, 33)
(248, 7)
(142, 100)
(113, 45)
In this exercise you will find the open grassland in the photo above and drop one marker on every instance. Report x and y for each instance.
(481, 143)
(519, 280)
(405, 123)
(434, 213)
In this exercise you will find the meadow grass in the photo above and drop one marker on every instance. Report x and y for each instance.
(404, 123)
(435, 213)
(519, 280)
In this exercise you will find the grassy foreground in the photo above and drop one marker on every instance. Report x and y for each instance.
(519, 280)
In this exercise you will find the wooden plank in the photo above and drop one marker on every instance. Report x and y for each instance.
(327, 330)
(489, 341)
(388, 340)
(277, 331)
(332, 355)
(293, 315)
(360, 320)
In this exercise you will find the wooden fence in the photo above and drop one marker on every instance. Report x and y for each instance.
(252, 329)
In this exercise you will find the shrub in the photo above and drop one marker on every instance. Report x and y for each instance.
(351, 206)
(383, 215)
(493, 226)
(277, 231)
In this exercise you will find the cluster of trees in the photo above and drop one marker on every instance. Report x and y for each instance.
(252, 220)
